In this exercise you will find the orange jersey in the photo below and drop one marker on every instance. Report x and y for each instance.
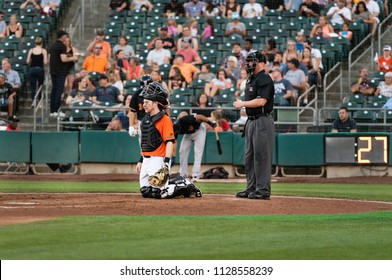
(95, 64)
(165, 128)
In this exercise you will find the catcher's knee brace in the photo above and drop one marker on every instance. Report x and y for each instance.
(146, 192)
(156, 192)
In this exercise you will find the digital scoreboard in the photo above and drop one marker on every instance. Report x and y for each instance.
(357, 149)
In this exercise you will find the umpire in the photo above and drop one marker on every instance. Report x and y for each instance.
(259, 129)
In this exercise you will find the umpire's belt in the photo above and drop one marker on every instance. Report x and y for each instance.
(255, 117)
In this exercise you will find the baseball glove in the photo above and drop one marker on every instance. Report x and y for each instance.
(160, 177)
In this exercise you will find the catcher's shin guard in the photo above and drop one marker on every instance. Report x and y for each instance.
(156, 192)
(194, 191)
(146, 192)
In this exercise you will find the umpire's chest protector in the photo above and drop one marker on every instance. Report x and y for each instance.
(151, 138)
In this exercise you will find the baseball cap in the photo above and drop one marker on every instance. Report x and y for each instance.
(388, 75)
(100, 32)
(294, 61)
(61, 33)
(387, 48)
(13, 118)
(235, 15)
(3, 76)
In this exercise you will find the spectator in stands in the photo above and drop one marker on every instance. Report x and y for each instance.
(218, 84)
(384, 62)
(385, 87)
(190, 56)
(7, 95)
(363, 85)
(309, 9)
(115, 125)
(14, 28)
(297, 79)
(97, 62)
(12, 76)
(158, 54)
(3, 25)
(58, 71)
(37, 58)
(208, 29)
(13, 123)
(300, 40)
(247, 47)
(106, 92)
(283, 87)
(363, 15)
(52, 4)
(106, 49)
(33, 4)
(173, 29)
(82, 93)
(115, 80)
(156, 77)
(241, 83)
(293, 5)
(186, 34)
(270, 50)
(203, 102)
(345, 31)
(173, 9)
(339, 14)
(193, 27)
(194, 8)
(210, 10)
(237, 53)
(232, 69)
(79, 77)
(316, 54)
(122, 65)
(167, 41)
(230, 7)
(277, 5)
(290, 52)
(313, 66)
(344, 123)
(220, 4)
(278, 61)
(142, 5)
(71, 50)
(136, 70)
(326, 28)
(221, 123)
(118, 5)
(176, 80)
(123, 115)
(252, 9)
(188, 70)
(205, 73)
(235, 27)
(123, 45)
(374, 9)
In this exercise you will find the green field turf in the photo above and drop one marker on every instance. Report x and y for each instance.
(344, 236)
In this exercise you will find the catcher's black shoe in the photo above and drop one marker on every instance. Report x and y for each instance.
(243, 194)
(256, 195)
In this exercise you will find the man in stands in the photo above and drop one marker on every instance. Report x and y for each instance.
(96, 62)
(159, 54)
(283, 87)
(189, 71)
(168, 42)
(106, 49)
(344, 123)
(339, 14)
(194, 8)
(363, 85)
(297, 79)
(237, 53)
(106, 92)
(7, 95)
(190, 55)
(13, 79)
(309, 9)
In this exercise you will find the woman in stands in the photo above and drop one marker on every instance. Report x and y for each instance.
(363, 16)
(231, 6)
(385, 87)
(210, 10)
(326, 28)
(270, 50)
(71, 51)
(346, 32)
(122, 65)
(136, 71)
(203, 102)
(291, 52)
(312, 65)
(156, 77)
(14, 28)
(81, 94)
(142, 5)
(176, 80)
(37, 58)
(221, 123)
(232, 69)
(217, 84)
(173, 29)
(123, 45)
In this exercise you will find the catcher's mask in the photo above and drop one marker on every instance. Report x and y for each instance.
(145, 80)
(155, 92)
(251, 61)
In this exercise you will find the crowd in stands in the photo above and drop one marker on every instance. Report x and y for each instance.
(201, 47)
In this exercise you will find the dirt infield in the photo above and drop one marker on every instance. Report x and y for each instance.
(21, 208)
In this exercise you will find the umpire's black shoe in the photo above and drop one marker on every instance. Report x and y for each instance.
(243, 194)
(255, 195)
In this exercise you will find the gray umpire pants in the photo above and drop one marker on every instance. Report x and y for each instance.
(198, 139)
(259, 145)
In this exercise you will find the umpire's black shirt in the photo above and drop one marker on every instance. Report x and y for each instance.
(260, 86)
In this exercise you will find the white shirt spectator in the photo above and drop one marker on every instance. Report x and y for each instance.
(159, 56)
(374, 9)
(251, 10)
(336, 18)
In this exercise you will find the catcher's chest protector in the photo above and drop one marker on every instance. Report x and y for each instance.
(151, 138)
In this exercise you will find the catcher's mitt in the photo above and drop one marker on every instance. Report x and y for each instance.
(160, 177)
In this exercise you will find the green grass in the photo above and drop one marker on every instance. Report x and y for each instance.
(382, 192)
(344, 236)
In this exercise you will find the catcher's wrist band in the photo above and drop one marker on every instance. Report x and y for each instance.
(166, 160)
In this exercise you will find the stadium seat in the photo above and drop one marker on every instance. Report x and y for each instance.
(356, 98)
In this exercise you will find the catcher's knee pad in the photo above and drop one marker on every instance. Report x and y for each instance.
(146, 192)
(156, 192)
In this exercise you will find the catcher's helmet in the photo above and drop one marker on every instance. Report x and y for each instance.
(145, 80)
(251, 61)
(155, 92)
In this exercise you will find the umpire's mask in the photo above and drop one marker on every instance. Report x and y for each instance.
(251, 62)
